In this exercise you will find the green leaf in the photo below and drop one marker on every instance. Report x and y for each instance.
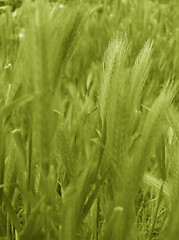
(11, 212)
(8, 109)
(93, 196)
(160, 154)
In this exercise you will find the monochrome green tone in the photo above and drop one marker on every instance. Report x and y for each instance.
(89, 120)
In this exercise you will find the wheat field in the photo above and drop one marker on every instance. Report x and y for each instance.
(89, 120)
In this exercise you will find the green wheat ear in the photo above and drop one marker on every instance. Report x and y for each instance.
(139, 73)
(114, 53)
(120, 95)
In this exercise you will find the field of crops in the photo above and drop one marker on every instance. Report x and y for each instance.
(89, 120)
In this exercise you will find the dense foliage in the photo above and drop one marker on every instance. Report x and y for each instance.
(89, 130)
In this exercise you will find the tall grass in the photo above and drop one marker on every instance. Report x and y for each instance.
(88, 120)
